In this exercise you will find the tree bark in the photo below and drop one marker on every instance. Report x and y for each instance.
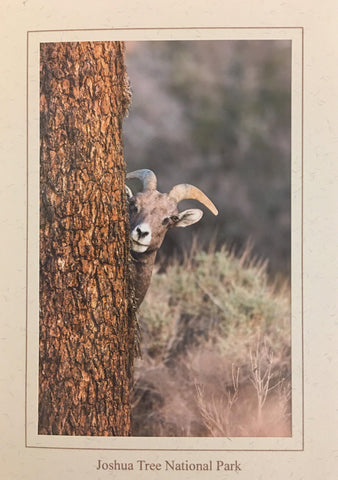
(86, 321)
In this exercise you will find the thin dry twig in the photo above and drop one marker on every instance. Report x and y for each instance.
(217, 412)
(261, 375)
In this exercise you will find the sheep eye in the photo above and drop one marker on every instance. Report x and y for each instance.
(132, 206)
(174, 218)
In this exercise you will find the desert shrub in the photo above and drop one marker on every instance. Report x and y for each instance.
(215, 350)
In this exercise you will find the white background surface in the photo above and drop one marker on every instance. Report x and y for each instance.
(319, 458)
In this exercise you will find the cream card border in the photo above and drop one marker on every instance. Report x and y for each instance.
(318, 21)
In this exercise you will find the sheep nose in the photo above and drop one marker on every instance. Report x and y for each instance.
(142, 234)
(142, 231)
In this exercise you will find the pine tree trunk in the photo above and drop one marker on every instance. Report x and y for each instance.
(86, 329)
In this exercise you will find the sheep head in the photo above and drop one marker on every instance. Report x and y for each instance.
(152, 213)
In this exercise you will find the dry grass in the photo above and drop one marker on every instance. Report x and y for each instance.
(215, 351)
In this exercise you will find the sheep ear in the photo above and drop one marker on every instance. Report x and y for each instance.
(129, 193)
(188, 217)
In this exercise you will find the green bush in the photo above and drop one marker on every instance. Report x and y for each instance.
(201, 320)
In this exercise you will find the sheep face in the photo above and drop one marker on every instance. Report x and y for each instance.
(151, 215)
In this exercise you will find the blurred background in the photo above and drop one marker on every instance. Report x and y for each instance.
(217, 114)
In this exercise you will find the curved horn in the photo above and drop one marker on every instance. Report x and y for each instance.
(184, 191)
(147, 177)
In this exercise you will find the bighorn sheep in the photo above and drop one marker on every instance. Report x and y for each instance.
(151, 215)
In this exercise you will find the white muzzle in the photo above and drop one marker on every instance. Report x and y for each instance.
(140, 238)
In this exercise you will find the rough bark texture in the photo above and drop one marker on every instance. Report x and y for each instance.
(86, 329)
